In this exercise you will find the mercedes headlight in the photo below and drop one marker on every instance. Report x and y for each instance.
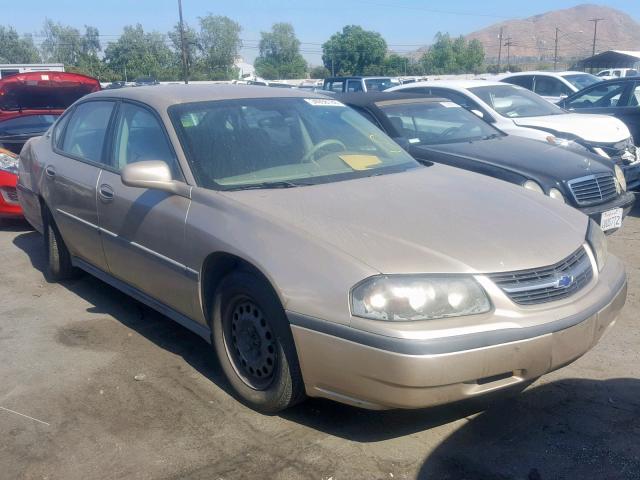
(598, 243)
(620, 178)
(417, 297)
(534, 186)
(8, 161)
(556, 194)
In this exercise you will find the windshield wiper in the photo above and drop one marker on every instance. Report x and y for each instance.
(267, 185)
(492, 136)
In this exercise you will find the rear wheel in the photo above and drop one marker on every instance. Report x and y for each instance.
(59, 265)
(254, 345)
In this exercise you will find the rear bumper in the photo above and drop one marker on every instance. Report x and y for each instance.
(9, 205)
(377, 372)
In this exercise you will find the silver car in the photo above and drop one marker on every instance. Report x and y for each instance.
(314, 254)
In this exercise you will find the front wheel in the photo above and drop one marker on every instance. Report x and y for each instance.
(254, 344)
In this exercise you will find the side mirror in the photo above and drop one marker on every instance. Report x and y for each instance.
(477, 112)
(153, 174)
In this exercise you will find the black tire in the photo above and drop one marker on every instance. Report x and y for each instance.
(59, 265)
(254, 344)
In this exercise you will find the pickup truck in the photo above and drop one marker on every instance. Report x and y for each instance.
(358, 84)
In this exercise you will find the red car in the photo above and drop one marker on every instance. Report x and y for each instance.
(29, 104)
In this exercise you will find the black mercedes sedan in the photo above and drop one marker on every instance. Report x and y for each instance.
(437, 130)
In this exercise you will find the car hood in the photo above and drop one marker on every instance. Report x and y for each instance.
(530, 158)
(591, 128)
(432, 219)
(44, 90)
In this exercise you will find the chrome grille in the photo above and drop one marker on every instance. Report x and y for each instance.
(547, 284)
(593, 189)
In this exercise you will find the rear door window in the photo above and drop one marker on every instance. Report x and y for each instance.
(550, 87)
(354, 86)
(525, 81)
(85, 134)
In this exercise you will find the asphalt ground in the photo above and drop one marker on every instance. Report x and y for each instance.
(94, 385)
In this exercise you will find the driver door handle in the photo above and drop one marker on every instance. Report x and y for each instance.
(50, 171)
(105, 192)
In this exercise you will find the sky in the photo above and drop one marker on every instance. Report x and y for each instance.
(405, 24)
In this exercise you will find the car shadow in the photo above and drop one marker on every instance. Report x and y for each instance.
(568, 429)
(14, 225)
(154, 326)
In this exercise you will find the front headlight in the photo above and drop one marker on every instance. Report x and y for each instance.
(417, 297)
(8, 161)
(534, 186)
(556, 194)
(620, 177)
(598, 243)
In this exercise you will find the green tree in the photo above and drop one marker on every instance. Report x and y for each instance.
(280, 54)
(14, 49)
(219, 41)
(319, 72)
(193, 51)
(138, 53)
(447, 56)
(354, 51)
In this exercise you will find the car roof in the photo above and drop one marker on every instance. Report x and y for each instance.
(361, 99)
(460, 84)
(543, 72)
(163, 96)
(358, 77)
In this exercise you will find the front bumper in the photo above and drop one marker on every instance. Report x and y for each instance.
(379, 372)
(9, 205)
(624, 201)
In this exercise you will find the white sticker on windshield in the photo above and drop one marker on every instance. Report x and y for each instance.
(44, 77)
(414, 140)
(323, 102)
(449, 104)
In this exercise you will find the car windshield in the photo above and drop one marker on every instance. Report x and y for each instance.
(282, 142)
(581, 80)
(27, 125)
(430, 123)
(515, 102)
(380, 84)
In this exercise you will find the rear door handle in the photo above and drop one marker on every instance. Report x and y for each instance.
(50, 171)
(105, 192)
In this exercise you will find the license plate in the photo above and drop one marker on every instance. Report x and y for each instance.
(611, 219)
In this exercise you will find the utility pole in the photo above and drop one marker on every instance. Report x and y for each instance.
(333, 70)
(508, 44)
(555, 52)
(500, 50)
(183, 45)
(595, 33)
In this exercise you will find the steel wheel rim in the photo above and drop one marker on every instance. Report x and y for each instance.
(250, 344)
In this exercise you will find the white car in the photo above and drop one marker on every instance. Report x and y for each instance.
(552, 86)
(517, 111)
(617, 73)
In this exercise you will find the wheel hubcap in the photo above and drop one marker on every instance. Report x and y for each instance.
(251, 344)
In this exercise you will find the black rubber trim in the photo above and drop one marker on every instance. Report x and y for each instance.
(458, 343)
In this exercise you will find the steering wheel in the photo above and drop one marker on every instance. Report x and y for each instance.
(320, 146)
(450, 131)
